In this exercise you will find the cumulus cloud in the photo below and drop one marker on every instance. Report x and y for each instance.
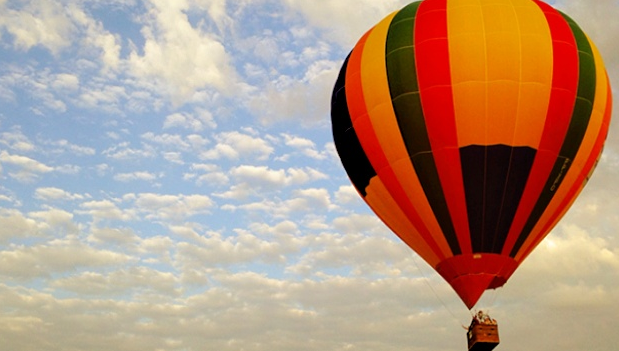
(44, 23)
(342, 24)
(66, 81)
(360, 254)
(113, 236)
(207, 174)
(235, 145)
(252, 180)
(16, 225)
(304, 146)
(123, 151)
(571, 251)
(105, 209)
(16, 140)
(105, 44)
(244, 247)
(56, 222)
(5, 197)
(348, 195)
(179, 56)
(106, 97)
(26, 168)
(133, 280)
(169, 207)
(270, 178)
(62, 145)
(135, 176)
(57, 256)
(174, 144)
(286, 98)
(196, 122)
(306, 199)
(56, 194)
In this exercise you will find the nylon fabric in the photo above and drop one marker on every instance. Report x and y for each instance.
(470, 127)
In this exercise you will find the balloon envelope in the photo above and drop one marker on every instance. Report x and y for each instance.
(469, 127)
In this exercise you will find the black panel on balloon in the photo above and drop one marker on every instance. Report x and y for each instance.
(494, 180)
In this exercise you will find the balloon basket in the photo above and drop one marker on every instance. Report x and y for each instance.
(483, 337)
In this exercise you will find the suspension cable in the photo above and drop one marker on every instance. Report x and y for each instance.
(427, 281)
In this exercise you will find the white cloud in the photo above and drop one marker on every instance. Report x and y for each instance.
(240, 191)
(179, 119)
(200, 59)
(170, 207)
(260, 181)
(361, 223)
(220, 151)
(234, 145)
(58, 256)
(158, 247)
(56, 194)
(135, 176)
(347, 195)
(26, 163)
(308, 199)
(5, 197)
(55, 221)
(68, 169)
(305, 146)
(284, 231)
(262, 175)
(28, 169)
(211, 175)
(42, 23)
(331, 153)
(597, 21)
(217, 11)
(362, 255)
(260, 178)
(197, 122)
(243, 247)
(266, 48)
(298, 142)
(338, 19)
(133, 279)
(103, 96)
(123, 151)
(174, 157)
(16, 140)
(102, 169)
(570, 251)
(106, 44)
(168, 140)
(301, 202)
(66, 81)
(64, 145)
(113, 236)
(286, 98)
(55, 25)
(104, 209)
(15, 225)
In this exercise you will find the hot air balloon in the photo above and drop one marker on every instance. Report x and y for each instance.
(469, 127)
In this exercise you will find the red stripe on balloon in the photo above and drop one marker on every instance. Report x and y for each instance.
(434, 77)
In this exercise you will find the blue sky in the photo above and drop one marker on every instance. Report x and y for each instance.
(168, 182)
